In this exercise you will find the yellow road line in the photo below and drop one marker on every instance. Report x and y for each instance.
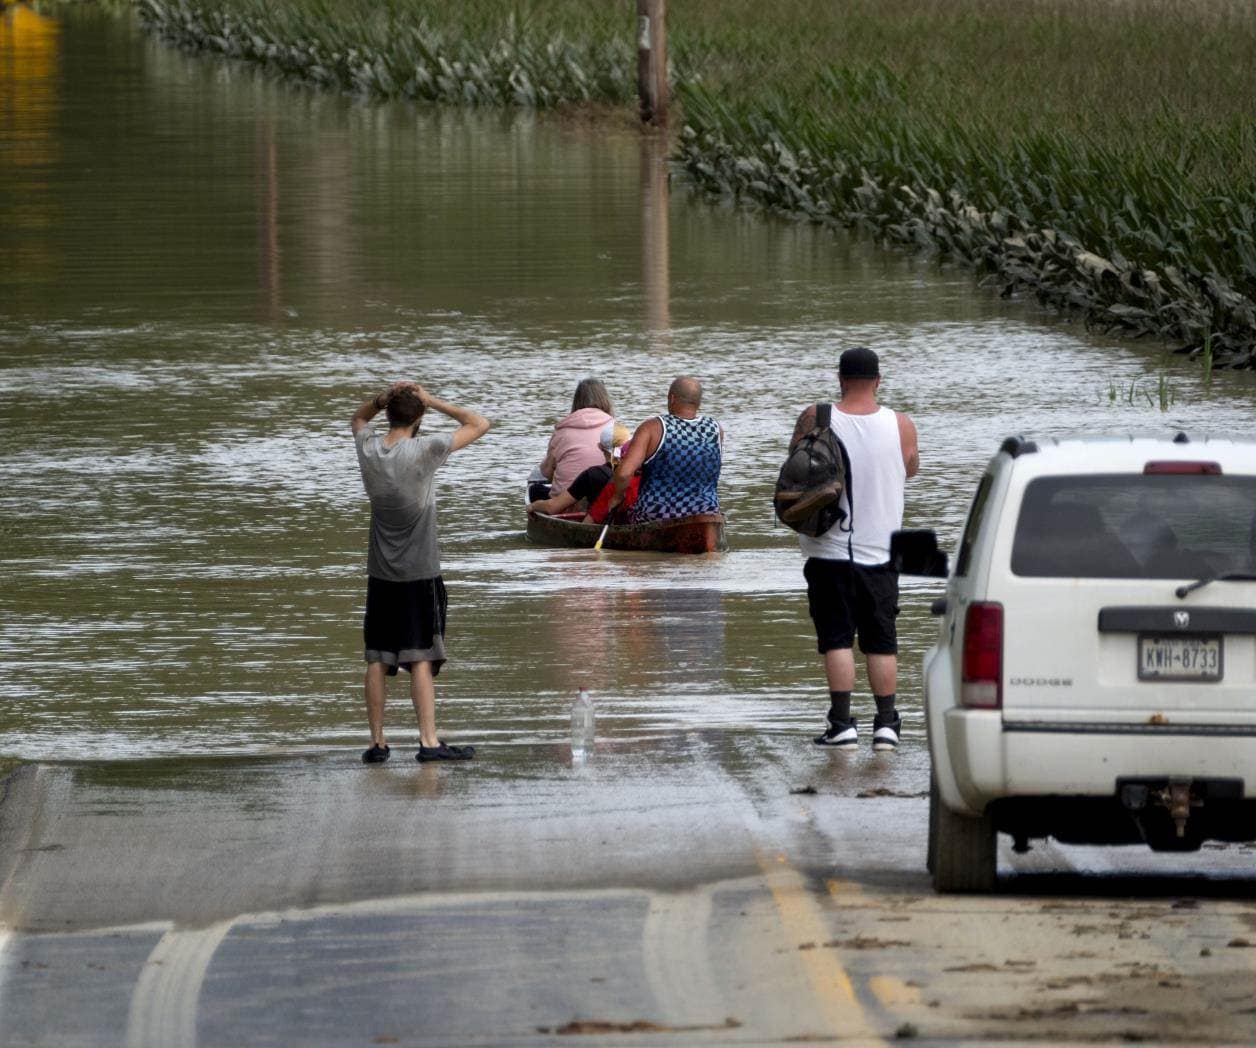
(804, 922)
(891, 991)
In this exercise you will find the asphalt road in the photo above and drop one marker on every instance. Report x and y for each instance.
(673, 894)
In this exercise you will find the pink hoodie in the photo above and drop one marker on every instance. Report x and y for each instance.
(574, 448)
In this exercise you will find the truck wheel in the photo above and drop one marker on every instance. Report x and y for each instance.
(962, 848)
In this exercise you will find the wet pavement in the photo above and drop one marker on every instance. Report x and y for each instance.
(722, 888)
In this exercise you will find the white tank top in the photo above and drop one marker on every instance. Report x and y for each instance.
(875, 485)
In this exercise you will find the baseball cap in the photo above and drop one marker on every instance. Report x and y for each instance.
(859, 362)
(613, 435)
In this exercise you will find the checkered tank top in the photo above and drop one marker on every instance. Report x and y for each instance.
(680, 477)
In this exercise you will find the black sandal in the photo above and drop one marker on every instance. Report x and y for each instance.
(376, 755)
(442, 751)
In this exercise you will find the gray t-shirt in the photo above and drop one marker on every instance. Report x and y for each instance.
(398, 481)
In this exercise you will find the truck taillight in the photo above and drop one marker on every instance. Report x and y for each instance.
(982, 682)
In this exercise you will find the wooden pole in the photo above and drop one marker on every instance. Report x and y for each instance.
(652, 61)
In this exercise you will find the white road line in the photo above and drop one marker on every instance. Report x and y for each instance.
(5, 935)
(677, 958)
(164, 1001)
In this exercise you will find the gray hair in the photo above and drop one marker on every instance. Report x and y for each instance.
(591, 393)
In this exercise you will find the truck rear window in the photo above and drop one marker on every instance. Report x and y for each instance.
(1136, 526)
(975, 516)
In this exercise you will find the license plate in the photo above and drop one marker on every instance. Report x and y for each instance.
(1179, 658)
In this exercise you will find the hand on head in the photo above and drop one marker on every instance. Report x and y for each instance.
(404, 386)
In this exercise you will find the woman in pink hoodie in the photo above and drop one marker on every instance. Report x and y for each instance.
(573, 448)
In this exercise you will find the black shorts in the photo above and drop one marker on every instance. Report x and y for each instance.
(405, 623)
(846, 599)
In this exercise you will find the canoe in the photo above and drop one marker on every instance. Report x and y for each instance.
(700, 533)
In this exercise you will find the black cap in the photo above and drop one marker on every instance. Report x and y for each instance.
(859, 362)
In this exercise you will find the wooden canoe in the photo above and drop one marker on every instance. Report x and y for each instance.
(701, 533)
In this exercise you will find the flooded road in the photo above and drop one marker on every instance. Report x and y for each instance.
(205, 273)
(208, 270)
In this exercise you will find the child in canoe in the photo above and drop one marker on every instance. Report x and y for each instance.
(593, 487)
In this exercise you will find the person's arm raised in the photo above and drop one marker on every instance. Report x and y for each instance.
(370, 408)
(471, 425)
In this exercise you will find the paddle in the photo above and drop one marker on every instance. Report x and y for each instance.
(597, 546)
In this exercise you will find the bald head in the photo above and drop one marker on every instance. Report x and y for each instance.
(687, 391)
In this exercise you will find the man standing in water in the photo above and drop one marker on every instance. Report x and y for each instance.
(851, 587)
(679, 455)
(405, 594)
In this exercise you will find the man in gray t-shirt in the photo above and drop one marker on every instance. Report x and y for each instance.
(404, 625)
(399, 483)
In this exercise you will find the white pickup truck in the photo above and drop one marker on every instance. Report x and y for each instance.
(1094, 675)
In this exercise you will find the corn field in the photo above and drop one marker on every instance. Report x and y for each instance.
(1098, 154)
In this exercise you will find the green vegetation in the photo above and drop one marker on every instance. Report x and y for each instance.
(1166, 395)
(490, 52)
(1098, 153)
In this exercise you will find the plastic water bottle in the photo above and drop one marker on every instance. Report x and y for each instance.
(581, 728)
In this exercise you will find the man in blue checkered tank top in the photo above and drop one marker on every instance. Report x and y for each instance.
(679, 455)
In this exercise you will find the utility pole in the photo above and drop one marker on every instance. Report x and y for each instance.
(652, 61)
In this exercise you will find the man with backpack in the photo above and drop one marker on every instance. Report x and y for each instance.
(851, 588)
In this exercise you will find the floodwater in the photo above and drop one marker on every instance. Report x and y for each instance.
(205, 271)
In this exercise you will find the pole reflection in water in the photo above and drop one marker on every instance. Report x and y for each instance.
(655, 243)
(268, 272)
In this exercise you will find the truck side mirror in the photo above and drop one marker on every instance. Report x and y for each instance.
(914, 551)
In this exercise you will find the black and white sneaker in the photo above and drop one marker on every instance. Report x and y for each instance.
(885, 733)
(841, 734)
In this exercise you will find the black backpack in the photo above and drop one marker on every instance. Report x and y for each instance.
(810, 484)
